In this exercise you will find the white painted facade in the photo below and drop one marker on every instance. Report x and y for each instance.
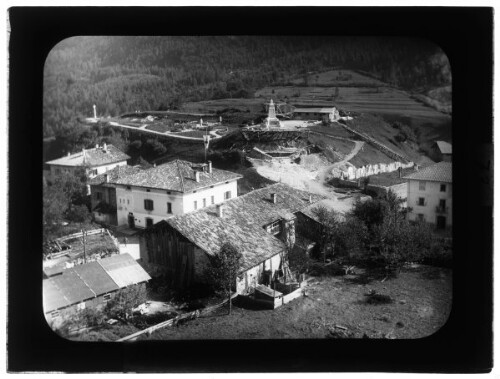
(131, 202)
(429, 201)
(92, 172)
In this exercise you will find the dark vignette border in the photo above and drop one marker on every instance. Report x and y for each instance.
(464, 344)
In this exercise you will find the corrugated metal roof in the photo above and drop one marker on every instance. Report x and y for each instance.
(439, 172)
(72, 287)
(124, 270)
(53, 298)
(92, 157)
(444, 147)
(96, 278)
(90, 280)
(177, 176)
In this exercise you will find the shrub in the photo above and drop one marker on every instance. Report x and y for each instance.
(378, 298)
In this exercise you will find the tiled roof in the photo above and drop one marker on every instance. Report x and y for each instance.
(92, 157)
(243, 222)
(89, 280)
(177, 176)
(329, 204)
(314, 110)
(444, 147)
(439, 172)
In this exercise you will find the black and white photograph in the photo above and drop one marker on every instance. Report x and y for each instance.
(225, 187)
(250, 189)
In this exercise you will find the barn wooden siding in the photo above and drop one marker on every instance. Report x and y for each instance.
(169, 249)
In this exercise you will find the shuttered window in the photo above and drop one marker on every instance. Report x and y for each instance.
(148, 204)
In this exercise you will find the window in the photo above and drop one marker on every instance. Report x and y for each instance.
(129, 188)
(128, 201)
(274, 228)
(195, 205)
(421, 186)
(204, 203)
(149, 222)
(213, 199)
(148, 190)
(148, 204)
(420, 217)
(98, 195)
(442, 188)
(168, 192)
(93, 172)
(107, 297)
(421, 201)
(169, 207)
(227, 195)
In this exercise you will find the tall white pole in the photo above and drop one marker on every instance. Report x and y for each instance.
(95, 112)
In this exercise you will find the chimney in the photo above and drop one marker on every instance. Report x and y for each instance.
(400, 169)
(69, 153)
(209, 167)
(83, 153)
(106, 178)
(310, 199)
(96, 145)
(105, 147)
(415, 167)
(220, 210)
(95, 112)
(154, 164)
(197, 176)
(274, 198)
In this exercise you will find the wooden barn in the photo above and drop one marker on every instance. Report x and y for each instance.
(261, 224)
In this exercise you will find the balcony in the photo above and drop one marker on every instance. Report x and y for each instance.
(441, 210)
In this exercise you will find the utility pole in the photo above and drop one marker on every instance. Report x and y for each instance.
(84, 232)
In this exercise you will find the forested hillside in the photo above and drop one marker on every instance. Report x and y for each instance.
(122, 74)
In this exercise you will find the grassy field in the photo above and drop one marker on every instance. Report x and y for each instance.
(420, 302)
(387, 179)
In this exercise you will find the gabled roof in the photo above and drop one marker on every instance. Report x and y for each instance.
(444, 147)
(439, 172)
(243, 222)
(90, 280)
(177, 175)
(124, 270)
(92, 157)
(315, 110)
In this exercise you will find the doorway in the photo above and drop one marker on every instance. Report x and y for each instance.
(131, 220)
(149, 222)
(441, 222)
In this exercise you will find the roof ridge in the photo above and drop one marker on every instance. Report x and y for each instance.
(84, 282)
(180, 175)
(106, 271)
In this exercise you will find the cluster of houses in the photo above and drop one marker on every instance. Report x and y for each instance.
(182, 213)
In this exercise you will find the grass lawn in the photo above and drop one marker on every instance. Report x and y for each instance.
(162, 128)
(421, 302)
(369, 155)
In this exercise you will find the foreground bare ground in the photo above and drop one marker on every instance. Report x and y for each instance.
(421, 305)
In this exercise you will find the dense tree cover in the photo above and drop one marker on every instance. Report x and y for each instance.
(123, 74)
(65, 200)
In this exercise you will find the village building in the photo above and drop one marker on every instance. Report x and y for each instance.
(95, 161)
(430, 195)
(261, 224)
(326, 114)
(138, 197)
(89, 285)
(441, 151)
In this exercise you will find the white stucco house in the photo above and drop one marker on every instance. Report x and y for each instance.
(430, 195)
(140, 197)
(96, 161)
